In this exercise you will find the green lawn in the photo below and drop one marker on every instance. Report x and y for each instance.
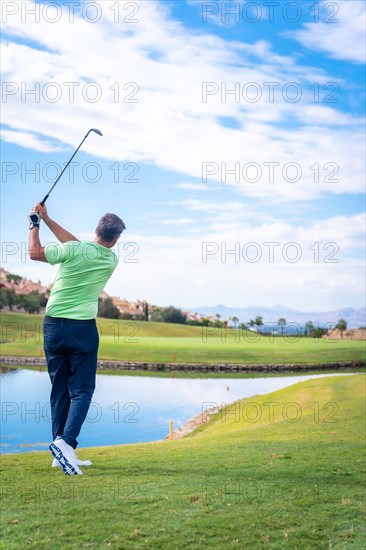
(292, 479)
(162, 342)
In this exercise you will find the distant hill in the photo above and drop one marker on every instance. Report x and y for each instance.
(355, 317)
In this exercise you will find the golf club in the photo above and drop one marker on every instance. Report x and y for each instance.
(49, 192)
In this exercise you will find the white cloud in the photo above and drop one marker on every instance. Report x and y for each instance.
(192, 186)
(178, 221)
(170, 125)
(231, 12)
(205, 206)
(340, 30)
(29, 141)
(327, 266)
(328, 270)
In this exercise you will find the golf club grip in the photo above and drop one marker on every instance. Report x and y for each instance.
(44, 200)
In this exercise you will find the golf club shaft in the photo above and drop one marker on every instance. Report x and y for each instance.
(49, 192)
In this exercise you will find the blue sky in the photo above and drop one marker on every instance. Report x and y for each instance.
(239, 132)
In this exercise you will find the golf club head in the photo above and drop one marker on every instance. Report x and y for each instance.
(96, 131)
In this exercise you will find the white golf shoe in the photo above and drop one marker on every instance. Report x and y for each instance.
(66, 457)
(56, 464)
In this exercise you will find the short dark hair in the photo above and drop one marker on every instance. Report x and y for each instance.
(109, 227)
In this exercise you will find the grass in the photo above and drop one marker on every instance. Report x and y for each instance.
(293, 479)
(163, 342)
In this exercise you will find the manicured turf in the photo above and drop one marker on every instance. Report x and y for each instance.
(286, 472)
(163, 342)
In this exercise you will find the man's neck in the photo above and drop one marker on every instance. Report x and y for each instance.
(106, 244)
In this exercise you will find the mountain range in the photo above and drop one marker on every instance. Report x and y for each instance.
(355, 317)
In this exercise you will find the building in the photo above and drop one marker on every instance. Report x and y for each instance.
(21, 285)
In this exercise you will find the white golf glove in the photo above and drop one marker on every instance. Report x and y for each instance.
(34, 219)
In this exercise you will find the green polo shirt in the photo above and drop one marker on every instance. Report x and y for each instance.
(85, 268)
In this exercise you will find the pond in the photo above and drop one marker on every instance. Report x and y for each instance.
(125, 409)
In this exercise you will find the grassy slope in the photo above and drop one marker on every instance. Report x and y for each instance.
(139, 341)
(235, 484)
(108, 327)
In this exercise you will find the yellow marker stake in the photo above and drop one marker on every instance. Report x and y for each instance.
(171, 429)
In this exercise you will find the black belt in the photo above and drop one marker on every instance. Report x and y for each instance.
(65, 321)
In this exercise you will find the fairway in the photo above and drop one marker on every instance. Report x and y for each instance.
(291, 479)
(164, 342)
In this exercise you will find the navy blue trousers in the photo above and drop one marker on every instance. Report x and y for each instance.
(71, 349)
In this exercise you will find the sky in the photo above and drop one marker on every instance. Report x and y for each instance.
(233, 144)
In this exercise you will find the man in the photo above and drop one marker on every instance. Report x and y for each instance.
(70, 334)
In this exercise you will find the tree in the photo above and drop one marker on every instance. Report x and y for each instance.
(9, 298)
(319, 332)
(309, 328)
(125, 316)
(173, 315)
(2, 299)
(31, 302)
(342, 326)
(235, 320)
(146, 311)
(108, 310)
(44, 300)
(282, 322)
(258, 322)
(156, 314)
(15, 278)
(194, 322)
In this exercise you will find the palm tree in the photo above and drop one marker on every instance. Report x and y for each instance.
(309, 328)
(258, 322)
(342, 326)
(282, 322)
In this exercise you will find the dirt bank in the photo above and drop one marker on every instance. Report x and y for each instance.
(350, 334)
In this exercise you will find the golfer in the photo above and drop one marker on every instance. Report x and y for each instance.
(70, 334)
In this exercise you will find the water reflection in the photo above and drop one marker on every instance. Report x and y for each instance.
(125, 409)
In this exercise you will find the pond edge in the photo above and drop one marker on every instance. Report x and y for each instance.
(196, 367)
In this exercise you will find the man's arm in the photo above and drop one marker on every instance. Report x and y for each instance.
(36, 250)
(60, 233)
